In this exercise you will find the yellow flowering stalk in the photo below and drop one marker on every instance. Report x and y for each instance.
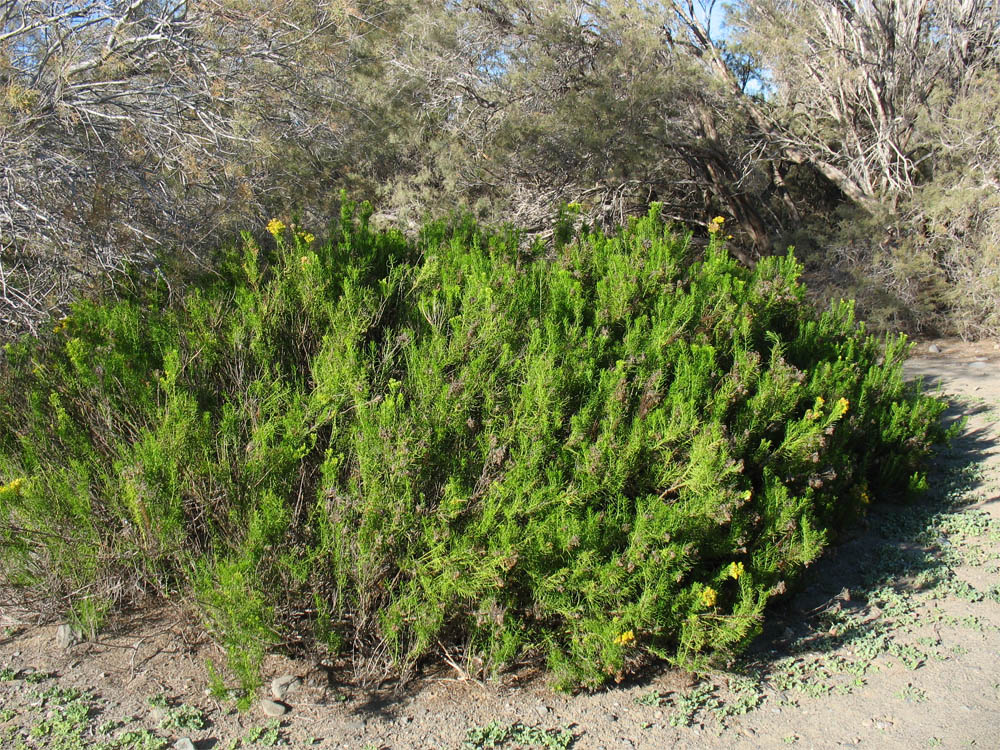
(275, 227)
(843, 405)
(735, 570)
(708, 596)
(625, 638)
(716, 224)
(814, 413)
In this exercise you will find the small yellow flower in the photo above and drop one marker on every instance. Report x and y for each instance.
(14, 486)
(625, 638)
(307, 237)
(729, 236)
(708, 596)
(716, 224)
(814, 413)
(843, 404)
(275, 226)
(735, 570)
(719, 220)
(304, 260)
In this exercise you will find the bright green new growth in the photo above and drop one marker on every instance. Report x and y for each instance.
(598, 449)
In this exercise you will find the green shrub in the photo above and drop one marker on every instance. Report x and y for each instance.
(596, 450)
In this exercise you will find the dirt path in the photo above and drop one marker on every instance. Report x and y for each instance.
(894, 643)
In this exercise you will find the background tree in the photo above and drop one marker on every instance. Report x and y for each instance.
(885, 99)
(863, 132)
(134, 129)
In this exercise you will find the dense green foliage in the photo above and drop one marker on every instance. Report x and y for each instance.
(601, 448)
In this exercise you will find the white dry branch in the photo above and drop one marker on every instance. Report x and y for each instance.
(127, 128)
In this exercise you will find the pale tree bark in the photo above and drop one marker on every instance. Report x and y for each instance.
(134, 127)
(850, 81)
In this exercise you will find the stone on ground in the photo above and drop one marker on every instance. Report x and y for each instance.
(273, 708)
(67, 635)
(281, 686)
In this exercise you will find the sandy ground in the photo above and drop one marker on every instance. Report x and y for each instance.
(894, 642)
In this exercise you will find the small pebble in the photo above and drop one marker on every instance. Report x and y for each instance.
(273, 708)
(280, 686)
(934, 349)
(66, 635)
(184, 744)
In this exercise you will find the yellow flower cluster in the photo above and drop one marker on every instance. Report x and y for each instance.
(625, 638)
(307, 237)
(840, 409)
(716, 224)
(862, 493)
(735, 570)
(814, 413)
(14, 486)
(275, 226)
(61, 325)
(708, 596)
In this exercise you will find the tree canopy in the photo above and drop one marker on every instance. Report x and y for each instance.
(138, 132)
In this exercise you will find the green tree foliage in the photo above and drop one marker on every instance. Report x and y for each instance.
(594, 450)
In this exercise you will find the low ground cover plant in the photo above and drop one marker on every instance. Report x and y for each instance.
(598, 449)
